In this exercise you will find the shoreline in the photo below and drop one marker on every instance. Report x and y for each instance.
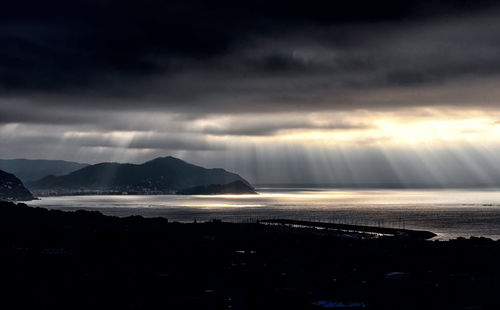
(447, 221)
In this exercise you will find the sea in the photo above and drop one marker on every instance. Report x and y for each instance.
(447, 213)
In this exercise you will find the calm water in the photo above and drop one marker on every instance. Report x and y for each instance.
(448, 213)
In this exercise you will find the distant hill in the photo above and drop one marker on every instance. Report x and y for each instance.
(11, 188)
(236, 187)
(164, 175)
(31, 170)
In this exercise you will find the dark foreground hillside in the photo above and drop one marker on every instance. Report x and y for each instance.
(84, 260)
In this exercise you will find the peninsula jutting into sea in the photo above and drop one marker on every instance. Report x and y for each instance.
(166, 175)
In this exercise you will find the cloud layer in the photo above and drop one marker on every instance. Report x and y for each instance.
(126, 80)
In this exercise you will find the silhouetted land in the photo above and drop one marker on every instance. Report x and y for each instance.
(11, 188)
(85, 260)
(163, 175)
(355, 230)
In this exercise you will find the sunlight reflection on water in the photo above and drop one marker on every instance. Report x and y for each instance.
(449, 213)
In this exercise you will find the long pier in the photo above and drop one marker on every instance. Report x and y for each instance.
(346, 228)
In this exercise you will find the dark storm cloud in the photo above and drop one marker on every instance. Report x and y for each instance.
(98, 139)
(105, 48)
(175, 76)
(20, 111)
(269, 127)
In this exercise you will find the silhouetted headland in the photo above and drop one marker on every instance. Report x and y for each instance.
(11, 188)
(85, 260)
(163, 175)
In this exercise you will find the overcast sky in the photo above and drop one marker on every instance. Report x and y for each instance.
(332, 92)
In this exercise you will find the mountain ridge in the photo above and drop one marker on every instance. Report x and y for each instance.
(29, 170)
(162, 175)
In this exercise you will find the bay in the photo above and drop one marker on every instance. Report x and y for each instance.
(448, 213)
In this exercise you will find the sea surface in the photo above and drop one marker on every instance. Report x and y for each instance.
(448, 213)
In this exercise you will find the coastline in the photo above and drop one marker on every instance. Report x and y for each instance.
(448, 214)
